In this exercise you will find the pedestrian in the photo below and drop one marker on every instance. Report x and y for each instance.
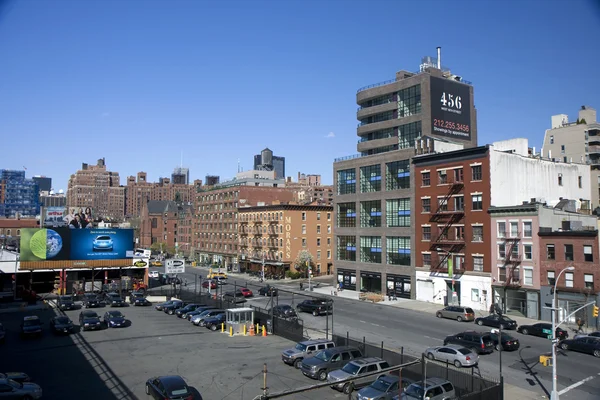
(185, 282)
(301, 286)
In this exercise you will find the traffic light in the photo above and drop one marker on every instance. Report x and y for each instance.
(595, 311)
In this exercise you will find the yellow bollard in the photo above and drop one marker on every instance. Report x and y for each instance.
(222, 326)
(244, 330)
(264, 333)
(257, 328)
(231, 331)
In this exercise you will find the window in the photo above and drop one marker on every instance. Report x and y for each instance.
(477, 264)
(527, 229)
(329, 254)
(442, 177)
(409, 101)
(459, 233)
(550, 276)
(562, 149)
(398, 250)
(501, 229)
(318, 254)
(514, 229)
(459, 203)
(318, 216)
(458, 175)
(502, 274)
(397, 175)
(304, 229)
(407, 134)
(475, 295)
(318, 229)
(568, 252)
(303, 242)
(560, 181)
(328, 216)
(502, 250)
(442, 204)
(426, 233)
(346, 248)
(370, 249)
(426, 259)
(551, 139)
(397, 212)
(568, 279)
(587, 253)
(527, 252)
(580, 182)
(476, 172)
(328, 241)
(329, 229)
(370, 178)
(550, 252)
(303, 216)
(477, 234)
(588, 280)
(528, 276)
(425, 178)
(370, 214)
(346, 181)
(346, 215)
(426, 205)
(477, 202)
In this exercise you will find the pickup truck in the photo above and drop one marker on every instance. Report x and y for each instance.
(315, 306)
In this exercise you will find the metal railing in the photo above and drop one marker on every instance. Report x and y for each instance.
(376, 85)
(351, 157)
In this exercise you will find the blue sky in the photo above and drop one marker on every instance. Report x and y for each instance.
(138, 82)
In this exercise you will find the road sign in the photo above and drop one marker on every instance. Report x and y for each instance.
(174, 266)
(553, 340)
(547, 331)
(549, 336)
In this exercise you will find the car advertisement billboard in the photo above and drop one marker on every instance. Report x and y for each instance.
(101, 244)
(450, 109)
(45, 244)
(54, 217)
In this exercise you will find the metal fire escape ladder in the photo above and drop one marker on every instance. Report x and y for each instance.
(510, 263)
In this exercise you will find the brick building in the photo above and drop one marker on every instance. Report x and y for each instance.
(276, 234)
(215, 237)
(10, 230)
(166, 222)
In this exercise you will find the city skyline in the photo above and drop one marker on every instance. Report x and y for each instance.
(169, 86)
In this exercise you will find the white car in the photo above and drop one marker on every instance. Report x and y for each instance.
(153, 274)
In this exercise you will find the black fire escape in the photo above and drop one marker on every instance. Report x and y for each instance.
(443, 239)
(512, 261)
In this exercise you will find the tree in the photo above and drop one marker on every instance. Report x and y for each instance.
(158, 246)
(302, 259)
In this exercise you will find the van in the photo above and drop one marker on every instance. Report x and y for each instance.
(304, 349)
(325, 361)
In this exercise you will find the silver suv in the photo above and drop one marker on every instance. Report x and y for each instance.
(303, 349)
(435, 389)
(325, 361)
(357, 369)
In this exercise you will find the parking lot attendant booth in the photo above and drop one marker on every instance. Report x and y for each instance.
(238, 318)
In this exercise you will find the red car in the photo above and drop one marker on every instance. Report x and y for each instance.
(213, 284)
(246, 292)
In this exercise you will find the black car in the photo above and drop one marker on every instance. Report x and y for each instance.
(66, 303)
(114, 319)
(168, 388)
(115, 300)
(2, 334)
(542, 329)
(199, 310)
(161, 306)
(174, 306)
(91, 300)
(189, 308)
(141, 301)
(267, 291)
(214, 323)
(20, 377)
(509, 343)
(284, 311)
(234, 297)
(61, 324)
(496, 321)
(200, 319)
(31, 326)
(479, 342)
(315, 306)
(133, 296)
(89, 320)
(585, 344)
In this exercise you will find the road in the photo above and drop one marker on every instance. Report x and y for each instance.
(415, 331)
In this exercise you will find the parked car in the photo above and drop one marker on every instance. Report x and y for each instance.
(161, 306)
(89, 320)
(11, 389)
(315, 306)
(458, 313)
(433, 389)
(234, 298)
(213, 284)
(168, 388)
(174, 306)
(304, 349)
(356, 369)
(593, 334)
(508, 342)
(136, 295)
(115, 300)
(267, 290)
(61, 324)
(586, 344)
(497, 321)
(31, 326)
(246, 292)
(283, 311)
(90, 300)
(479, 342)
(539, 328)
(325, 361)
(66, 303)
(454, 354)
(114, 319)
(214, 323)
(188, 308)
(199, 320)
(190, 315)
(384, 388)
(16, 376)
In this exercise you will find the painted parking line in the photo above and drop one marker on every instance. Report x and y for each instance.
(576, 384)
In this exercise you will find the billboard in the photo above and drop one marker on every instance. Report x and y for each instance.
(79, 217)
(101, 244)
(174, 266)
(450, 109)
(54, 217)
(45, 244)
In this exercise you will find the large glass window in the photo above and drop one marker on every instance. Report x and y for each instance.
(407, 134)
(346, 215)
(409, 101)
(398, 250)
(386, 98)
(397, 175)
(397, 212)
(370, 249)
(346, 248)
(346, 181)
(384, 116)
(370, 214)
(378, 134)
(370, 178)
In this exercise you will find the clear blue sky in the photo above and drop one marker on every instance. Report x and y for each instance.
(138, 82)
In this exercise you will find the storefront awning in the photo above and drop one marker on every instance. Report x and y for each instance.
(267, 262)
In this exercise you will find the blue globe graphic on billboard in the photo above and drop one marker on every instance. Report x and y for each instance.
(54, 244)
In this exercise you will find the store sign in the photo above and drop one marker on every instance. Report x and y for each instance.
(140, 263)
(288, 237)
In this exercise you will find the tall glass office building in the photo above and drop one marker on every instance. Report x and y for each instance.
(18, 195)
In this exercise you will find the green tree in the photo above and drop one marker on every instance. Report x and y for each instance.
(303, 259)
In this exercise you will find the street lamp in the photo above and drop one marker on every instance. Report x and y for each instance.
(554, 395)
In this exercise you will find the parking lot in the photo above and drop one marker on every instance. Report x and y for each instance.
(115, 363)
